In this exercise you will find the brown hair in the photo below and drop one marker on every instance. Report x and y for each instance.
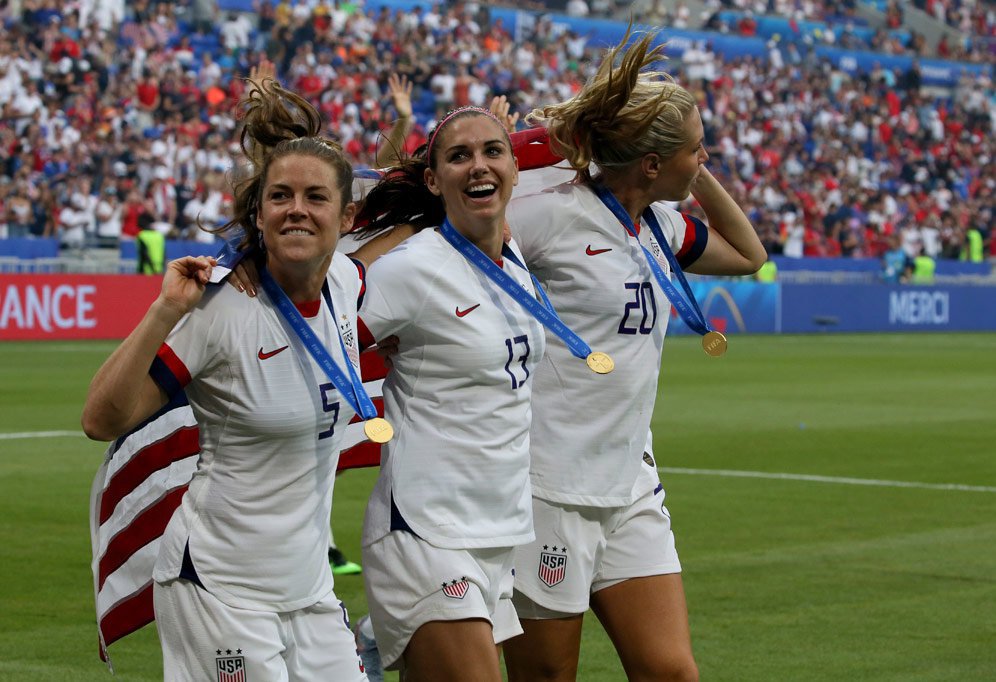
(622, 113)
(279, 123)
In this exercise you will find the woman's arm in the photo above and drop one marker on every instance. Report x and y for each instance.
(734, 247)
(122, 393)
(375, 247)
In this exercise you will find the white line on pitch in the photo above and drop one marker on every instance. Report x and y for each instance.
(829, 479)
(39, 434)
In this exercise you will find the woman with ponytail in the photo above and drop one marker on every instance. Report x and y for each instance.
(605, 247)
(242, 584)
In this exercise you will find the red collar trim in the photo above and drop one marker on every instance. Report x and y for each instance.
(309, 308)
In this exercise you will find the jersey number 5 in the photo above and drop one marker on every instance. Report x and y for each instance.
(643, 304)
(329, 407)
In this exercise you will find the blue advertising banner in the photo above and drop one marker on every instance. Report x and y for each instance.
(174, 249)
(18, 247)
(748, 307)
(733, 307)
(886, 308)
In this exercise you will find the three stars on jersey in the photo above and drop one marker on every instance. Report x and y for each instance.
(456, 589)
(552, 565)
(230, 668)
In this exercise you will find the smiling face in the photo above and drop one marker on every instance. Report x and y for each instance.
(474, 172)
(300, 212)
(678, 172)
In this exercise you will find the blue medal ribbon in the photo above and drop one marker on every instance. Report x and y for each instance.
(544, 312)
(688, 309)
(351, 387)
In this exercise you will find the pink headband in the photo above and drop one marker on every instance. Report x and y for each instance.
(450, 116)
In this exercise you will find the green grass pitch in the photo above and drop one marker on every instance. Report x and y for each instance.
(788, 577)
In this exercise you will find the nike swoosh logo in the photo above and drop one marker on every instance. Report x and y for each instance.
(594, 252)
(462, 313)
(265, 356)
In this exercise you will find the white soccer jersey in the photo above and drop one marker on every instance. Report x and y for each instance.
(458, 397)
(271, 423)
(588, 432)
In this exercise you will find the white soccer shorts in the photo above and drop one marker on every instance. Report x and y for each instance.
(580, 550)
(205, 639)
(410, 583)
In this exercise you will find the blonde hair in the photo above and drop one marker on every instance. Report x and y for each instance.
(279, 123)
(622, 113)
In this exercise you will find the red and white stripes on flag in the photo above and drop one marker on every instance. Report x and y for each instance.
(145, 473)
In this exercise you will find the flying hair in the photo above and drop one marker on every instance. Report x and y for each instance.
(626, 110)
(278, 123)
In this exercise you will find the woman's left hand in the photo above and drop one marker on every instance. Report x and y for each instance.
(387, 348)
(245, 277)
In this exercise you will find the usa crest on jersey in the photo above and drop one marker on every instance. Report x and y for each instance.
(659, 256)
(552, 568)
(456, 589)
(349, 340)
(231, 668)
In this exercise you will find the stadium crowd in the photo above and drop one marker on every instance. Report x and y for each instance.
(119, 114)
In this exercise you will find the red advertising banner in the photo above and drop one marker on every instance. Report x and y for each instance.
(41, 307)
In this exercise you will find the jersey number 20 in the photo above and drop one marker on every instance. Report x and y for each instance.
(643, 306)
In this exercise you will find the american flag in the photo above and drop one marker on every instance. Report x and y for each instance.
(145, 472)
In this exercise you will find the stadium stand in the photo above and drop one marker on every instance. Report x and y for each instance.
(117, 112)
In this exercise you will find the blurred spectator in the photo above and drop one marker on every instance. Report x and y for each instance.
(73, 221)
(151, 247)
(235, 31)
(923, 269)
(577, 8)
(896, 265)
(109, 218)
(17, 210)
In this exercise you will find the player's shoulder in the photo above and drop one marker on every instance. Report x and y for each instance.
(558, 197)
(421, 252)
(222, 308)
(547, 211)
(342, 268)
(667, 210)
(224, 300)
(668, 216)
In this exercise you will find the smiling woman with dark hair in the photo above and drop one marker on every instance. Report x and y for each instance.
(242, 566)
(453, 494)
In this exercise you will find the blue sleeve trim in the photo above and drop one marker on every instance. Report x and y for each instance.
(691, 252)
(362, 269)
(162, 375)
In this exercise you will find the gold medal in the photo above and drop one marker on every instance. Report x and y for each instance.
(378, 430)
(600, 362)
(714, 344)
